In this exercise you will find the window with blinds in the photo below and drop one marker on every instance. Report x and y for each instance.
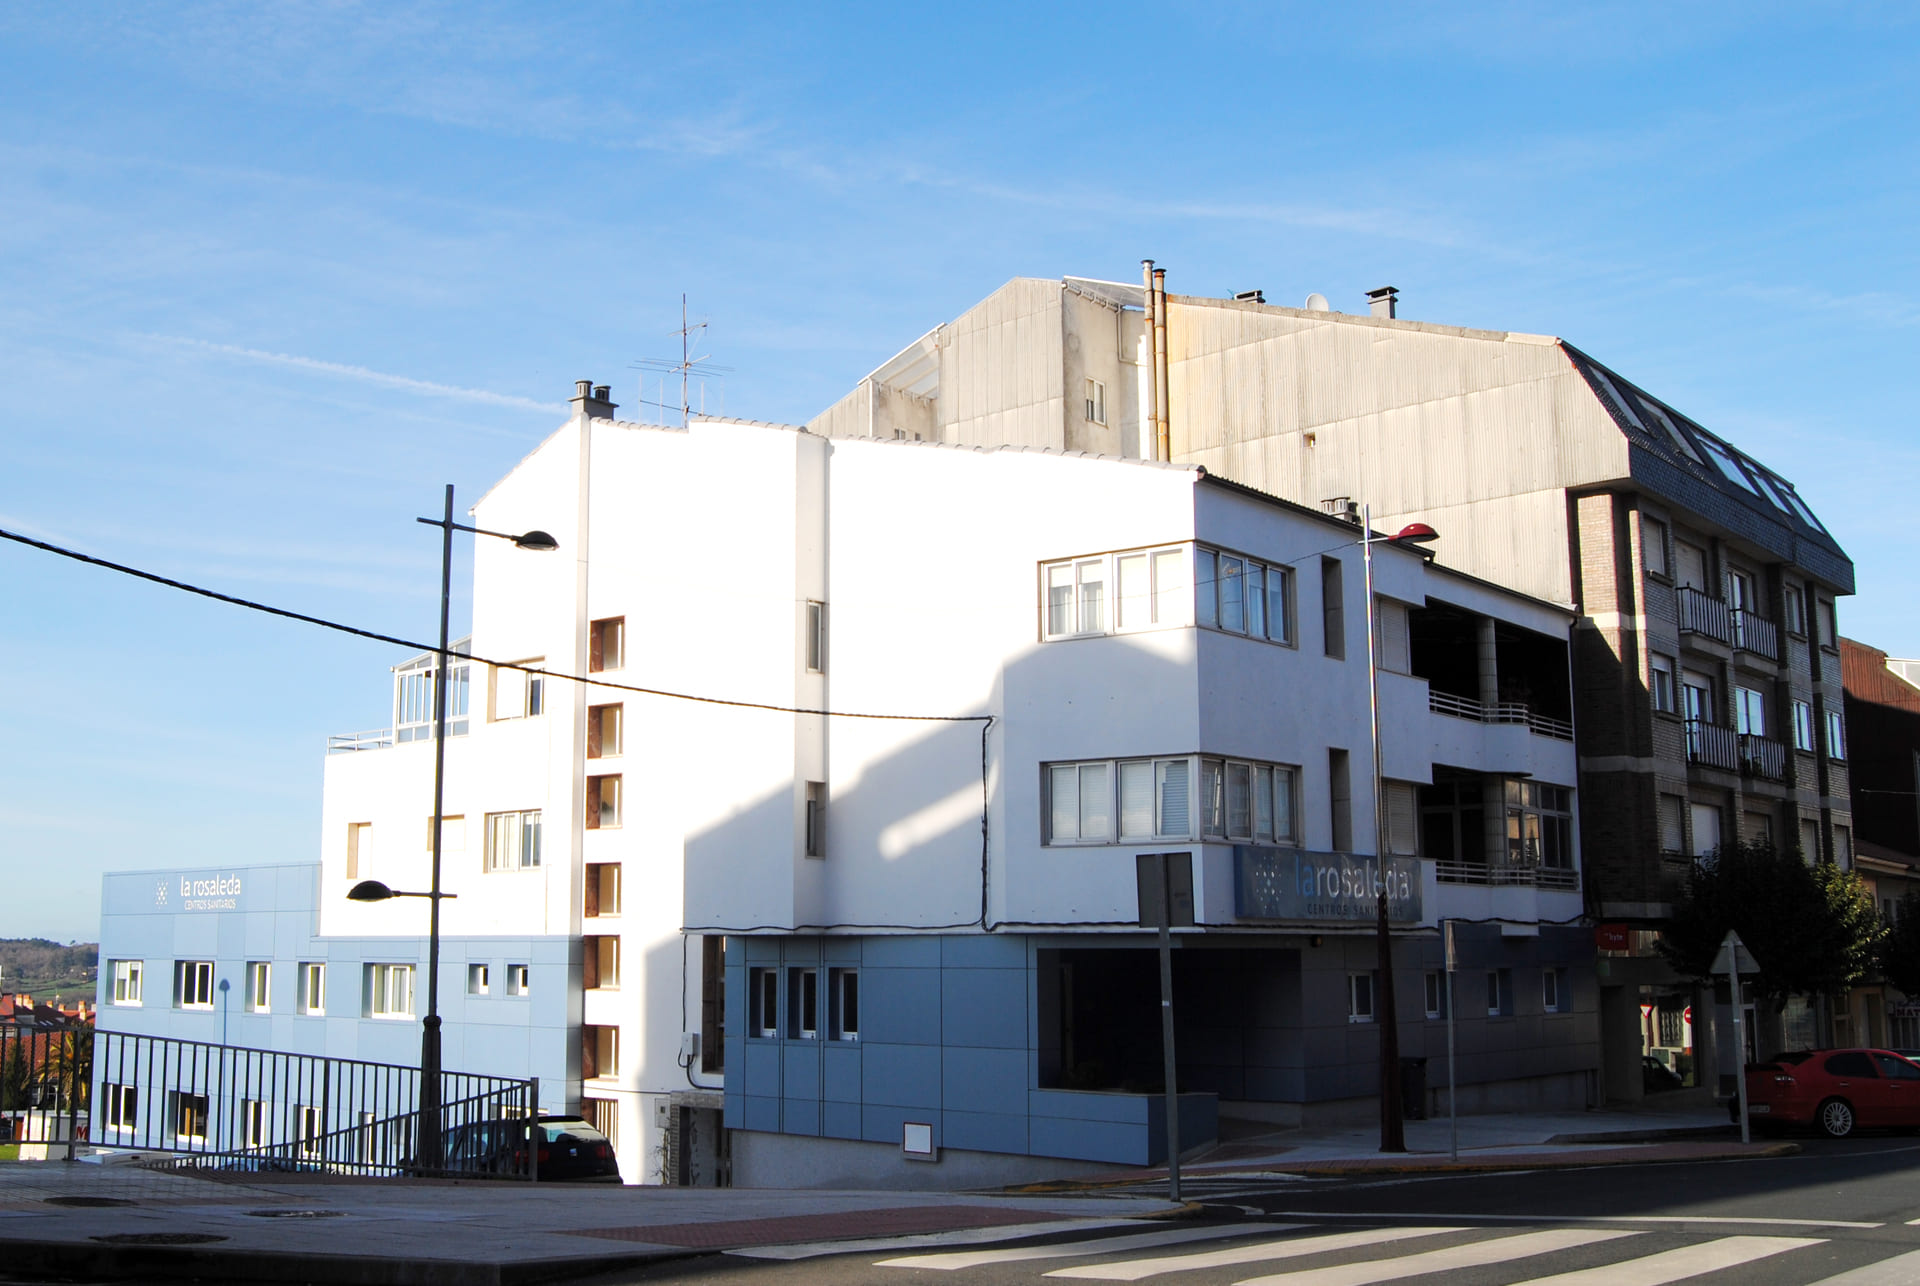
(1186, 797)
(1403, 818)
(1390, 625)
(1673, 825)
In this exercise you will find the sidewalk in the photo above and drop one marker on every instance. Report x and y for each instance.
(102, 1222)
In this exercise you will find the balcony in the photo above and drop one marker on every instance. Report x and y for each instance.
(1539, 877)
(1712, 745)
(1754, 633)
(1499, 712)
(343, 743)
(1762, 757)
(1702, 614)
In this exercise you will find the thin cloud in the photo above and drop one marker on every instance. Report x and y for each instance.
(363, 375)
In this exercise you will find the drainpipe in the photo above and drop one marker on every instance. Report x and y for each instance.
(1149, 412)
(1165, 442)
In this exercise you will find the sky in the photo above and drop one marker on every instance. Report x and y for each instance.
(273, 274)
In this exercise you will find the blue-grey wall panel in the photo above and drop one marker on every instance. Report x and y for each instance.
(985, 1131)
(1084, 1106)
(841, 1066)
(983, 1080)
(900, 1075)
(841, 951)
(984, 1007)
(899, 951)
(883, 1124)
(1088, 1140)
(900, 1006)
(800, 1062)
(800, 1116)
(758, 949)
(760, 1069)
(983, 951)
(762, 1114)
(840, 1120)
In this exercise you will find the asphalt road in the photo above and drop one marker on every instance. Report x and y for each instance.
(1838, 1213)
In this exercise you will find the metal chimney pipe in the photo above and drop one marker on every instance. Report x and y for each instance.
(1161, 433)
(1149, 412)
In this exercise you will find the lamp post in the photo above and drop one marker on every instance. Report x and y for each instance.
(1392, 1110)
(428, 1151)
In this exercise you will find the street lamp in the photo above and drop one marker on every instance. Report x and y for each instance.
(428, 1153)
(1392, 1125)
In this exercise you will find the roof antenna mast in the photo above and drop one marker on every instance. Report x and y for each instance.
(687, 368)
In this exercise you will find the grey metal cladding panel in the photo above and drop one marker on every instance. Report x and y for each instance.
(760, 1069)
(1768, 529)
(1089, 1141)
(841, 1067)
(800, 1065)
(983, 1080)
(840, 1120)
(984, 1008)
(985, 1131)
(900, 1076)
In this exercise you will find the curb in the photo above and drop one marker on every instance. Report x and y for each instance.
(1678, 1134)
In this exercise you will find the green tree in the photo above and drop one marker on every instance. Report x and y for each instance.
(14, 1076)
(1809, 929)
(1900, 950)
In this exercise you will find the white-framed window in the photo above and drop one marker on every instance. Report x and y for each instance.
(1803, 726)
(193, 984)
(1836, 736)
(1110, 593)
(313, 987)
(1749, 711)
(189, 1113)
(518, 694)
(604, 733)
(359, 850)
(1242, 595)
(1101, 801)
(1794, 609)
(260, 986)
(389, 991)
(121, 1107)
(1539, 824)
(843, 1004)
(1829, 624)
(1359, 997)
(607, 644)
(1499, 992)
(255, 1118)
(478, 979)
(1673, 825)
(763, 998)
(413, 697)
(1436, 993)
(1653, 542)
(1660, 677)
(803, 1004)
(1096, 401)
(814, 823)
(1553, 990)
(816, 637)
(513, 840)
(1706, 829)
(603, 803)
(606, 960)
(127, 978)
(519, 980)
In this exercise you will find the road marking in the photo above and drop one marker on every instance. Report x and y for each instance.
(1744, 1220)
(1081, 1249)
(1132, 1270)
(1901, 1270)
(1497, 1250)
(914, 1241)
(1676, 1265)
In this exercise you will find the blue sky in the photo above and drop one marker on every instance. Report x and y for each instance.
(270, 275)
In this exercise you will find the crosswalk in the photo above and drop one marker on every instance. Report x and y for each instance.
(1274, 1253)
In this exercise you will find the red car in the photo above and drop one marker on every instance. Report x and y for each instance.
(1835, 1089)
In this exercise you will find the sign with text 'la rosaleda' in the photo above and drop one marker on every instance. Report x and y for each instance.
(1292, 884)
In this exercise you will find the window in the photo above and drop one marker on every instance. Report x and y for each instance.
(122, 1106)
(1690, 565)
(1403, 818)
(1436, 994)
(518, 694)
(1760, 828)
(1553, 990)
(1359, 997)
(1673, 834)
(803, 1003)
(1842, 847)
(1794, 608)
(254, 1116)
(413, 697)
(601, 963)
(599, 1052)
(603, 803)
(815, 821)
(606, 644)
(603, 1114)
(843, 1004)
(126, 981)
(1539, 825)
(1696, 697)
(313, 988)
(519, 980)
(313, 1124)
(359, 850)
(1243, 596)
(1153, 799)
(1340, 799)
(1660, 673)
(1096, 401)
(1333, 614)
(604, 731)
(1725, 460)
(601, 890)
(1453, 818)
(513, 841)
(817, 637)
(1836, 736)
(1803, 726)
(477, 979)
(1499, 992)
(1393, 647)
(389, 991)
(763, 995)
(1829, 626)
(260, 986)
(193, 984)
(1809, 840)
(1076, 597)
(189, 1112)
(713, 1002)
(1653, 543)
(1750, 711)
(1706, 829)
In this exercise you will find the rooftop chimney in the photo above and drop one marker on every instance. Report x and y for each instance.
(592, 401)
(1250, 297)
(1383, 302)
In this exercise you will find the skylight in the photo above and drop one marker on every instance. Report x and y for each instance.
(1673, 431)
(1729, 466)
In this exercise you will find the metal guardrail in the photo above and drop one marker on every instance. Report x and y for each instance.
(1700, 613)
(1763, 757)
(1709, 743)
(44, 1084)
(347, 742)
(1500, 712)
(1756, 634)
(1543, 877)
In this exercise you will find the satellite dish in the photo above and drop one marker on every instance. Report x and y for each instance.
(1317, 303)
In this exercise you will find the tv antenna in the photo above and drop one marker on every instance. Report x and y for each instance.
(688, 368)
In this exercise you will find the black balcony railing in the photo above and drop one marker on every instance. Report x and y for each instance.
(1756, 634)
(1711, 744)
(1702, 614)
(1762, 757)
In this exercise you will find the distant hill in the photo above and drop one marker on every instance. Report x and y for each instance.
(43, 968)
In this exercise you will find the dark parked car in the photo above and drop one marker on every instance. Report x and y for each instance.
(1656, 1077)
(569, 1149)
(1836, 1090)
